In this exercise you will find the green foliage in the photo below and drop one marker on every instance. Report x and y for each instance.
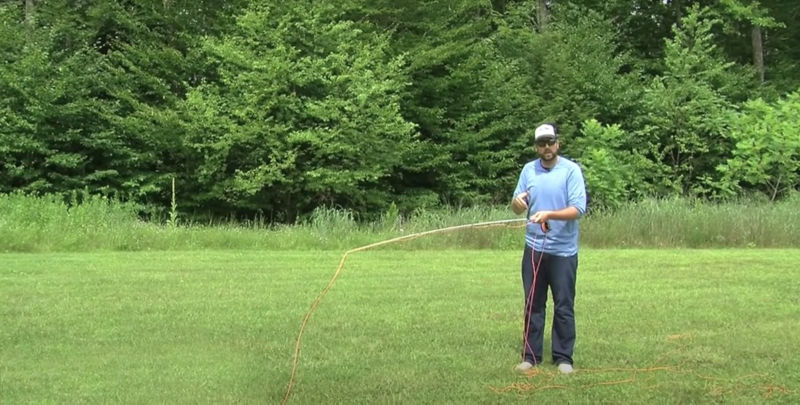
(613, 175)
(465, 98)
(766, 155)
(641, 25)
(492, 132)
(579, 74)
(70, 115)
(149, 64)
(490, 93)
(751, 12)
(272, 110)
(307, 116)
(686, 108)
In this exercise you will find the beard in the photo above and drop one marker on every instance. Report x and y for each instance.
(548, 157)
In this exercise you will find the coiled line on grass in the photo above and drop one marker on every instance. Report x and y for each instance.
(716, 386)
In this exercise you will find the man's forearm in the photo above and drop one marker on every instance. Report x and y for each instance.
(566, 214)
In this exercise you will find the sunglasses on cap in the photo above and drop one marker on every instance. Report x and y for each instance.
(546, 142)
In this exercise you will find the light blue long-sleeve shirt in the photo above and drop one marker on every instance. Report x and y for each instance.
(550, 190)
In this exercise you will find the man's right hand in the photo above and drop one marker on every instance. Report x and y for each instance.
(519, 203)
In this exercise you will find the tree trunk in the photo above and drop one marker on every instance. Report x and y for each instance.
(542, 15)
(29, 16)
(758, 52)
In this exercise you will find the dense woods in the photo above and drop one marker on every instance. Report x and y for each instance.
(271, 109)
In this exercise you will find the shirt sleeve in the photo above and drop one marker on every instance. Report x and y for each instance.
(576, 190)
(520, 183)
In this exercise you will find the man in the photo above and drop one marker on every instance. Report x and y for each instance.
(552, 193)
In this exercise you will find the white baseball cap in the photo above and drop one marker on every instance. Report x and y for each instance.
(545, 131)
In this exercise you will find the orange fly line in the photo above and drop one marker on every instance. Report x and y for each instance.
(296, 356)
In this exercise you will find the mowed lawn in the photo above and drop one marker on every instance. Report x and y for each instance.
(399, 326)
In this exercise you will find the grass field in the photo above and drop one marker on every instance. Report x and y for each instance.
(654, 326)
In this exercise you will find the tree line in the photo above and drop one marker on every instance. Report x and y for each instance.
(276, 108)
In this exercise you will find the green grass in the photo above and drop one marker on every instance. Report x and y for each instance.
(47, 224)
(399, 326)
(696, 224)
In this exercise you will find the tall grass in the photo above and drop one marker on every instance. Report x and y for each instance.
(47, 223)
(696, 224)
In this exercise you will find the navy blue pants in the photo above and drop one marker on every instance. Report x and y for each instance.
(558, 273)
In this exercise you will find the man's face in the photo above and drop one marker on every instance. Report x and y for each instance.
(547, 149)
